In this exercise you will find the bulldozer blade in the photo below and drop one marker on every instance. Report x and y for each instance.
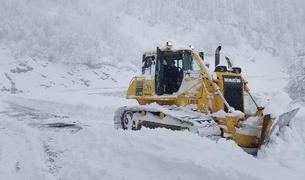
(266, 124)
(282, 121)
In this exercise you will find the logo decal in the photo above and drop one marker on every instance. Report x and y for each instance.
(232, 80)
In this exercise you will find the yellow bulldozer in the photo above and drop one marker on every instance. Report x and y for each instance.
(177, 90)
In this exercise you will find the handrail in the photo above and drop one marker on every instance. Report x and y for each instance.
(214, 85)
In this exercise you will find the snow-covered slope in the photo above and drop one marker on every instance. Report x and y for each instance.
(96, 31)
(68, 64)
(27, 74)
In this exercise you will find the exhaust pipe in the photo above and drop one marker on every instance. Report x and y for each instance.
(217, 56)
(230, 65)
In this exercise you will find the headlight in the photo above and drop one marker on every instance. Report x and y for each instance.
(169, 45)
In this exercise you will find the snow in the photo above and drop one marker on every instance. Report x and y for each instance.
(99, 151)
(65, 67)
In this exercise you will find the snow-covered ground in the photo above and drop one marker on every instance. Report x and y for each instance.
(70, 135)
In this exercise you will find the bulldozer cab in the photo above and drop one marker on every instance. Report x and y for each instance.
(171, 67)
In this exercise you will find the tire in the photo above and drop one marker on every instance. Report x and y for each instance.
(127, 121)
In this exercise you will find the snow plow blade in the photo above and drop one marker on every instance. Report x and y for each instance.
(282, 121)
(285, 118)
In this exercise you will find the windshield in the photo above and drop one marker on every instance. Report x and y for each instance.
(195, 66)
(183, 59)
